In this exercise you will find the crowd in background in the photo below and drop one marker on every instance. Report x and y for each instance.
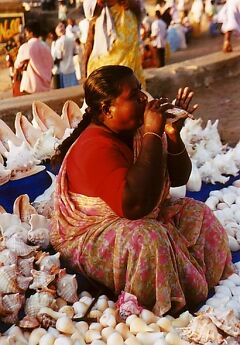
(171, 28)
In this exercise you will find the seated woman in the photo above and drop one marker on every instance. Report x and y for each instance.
(114, 219)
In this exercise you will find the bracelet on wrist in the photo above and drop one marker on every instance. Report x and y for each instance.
(154, 134)
(178, 153)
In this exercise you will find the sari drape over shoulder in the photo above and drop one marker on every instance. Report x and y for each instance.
(168, 259)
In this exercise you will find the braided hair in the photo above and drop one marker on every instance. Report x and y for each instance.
(101, 87)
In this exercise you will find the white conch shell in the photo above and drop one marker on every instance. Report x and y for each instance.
(194, 183)
(202, 330)
(21, 161)
(44, 117)
(71, 114)
(48, 262)
(41, 279)
(226, 321)
(8, 279)
(25, 130)
(5, 174)
(46, 145)
(23, 209)
(35, 302)
(67, 286)
(6, 136)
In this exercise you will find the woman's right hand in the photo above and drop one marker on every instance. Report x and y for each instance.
(155, 115)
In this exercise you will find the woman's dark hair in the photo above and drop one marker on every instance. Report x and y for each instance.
(34, 27)
(101, 87)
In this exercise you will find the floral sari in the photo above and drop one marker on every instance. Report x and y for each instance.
(168, 259)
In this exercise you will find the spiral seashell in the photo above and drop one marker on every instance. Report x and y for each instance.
(148, 316)
(17, 230)
(25, 266)
(115, 339)
(35, 302)
(54, 314)
(67, 286)
(47, 339)
(19, 247)
(39, 237)
(23, 282)
(80, 308)
(165, 324)
(7, 257)
(123, 329)
(82, 326)
(7, 220)
(29, 322)
(108, 319)
(46, 320)
(8, 279)
(13, 303)
(23, 209)
(68, 310)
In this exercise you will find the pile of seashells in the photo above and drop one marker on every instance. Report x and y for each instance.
(210, 159)
(57, 314)
(225, 204)
(22, 152)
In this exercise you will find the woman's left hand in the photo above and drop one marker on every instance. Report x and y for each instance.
(183, 100)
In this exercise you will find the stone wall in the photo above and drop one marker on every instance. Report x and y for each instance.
(195, 73)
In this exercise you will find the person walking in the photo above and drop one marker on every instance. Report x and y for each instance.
(229, 16)
(35, 61)
(63, 52)
(114, 35)
(158, 37)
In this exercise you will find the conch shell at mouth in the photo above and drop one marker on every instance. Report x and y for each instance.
(25, 130)
(6, 136)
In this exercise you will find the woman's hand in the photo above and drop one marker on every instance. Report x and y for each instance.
(155, 115)
(183, 100)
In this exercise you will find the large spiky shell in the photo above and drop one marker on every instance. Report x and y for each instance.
(17, 230)
(71, 114)
(29, 322)
(45, 146)
(44, 118)
(39, 232)
(7, 220)
(21, 161)
(35, 302)
(23, 209)
(25, 130)
(6, 136)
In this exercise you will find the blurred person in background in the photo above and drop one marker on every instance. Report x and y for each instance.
(113, 36)
(63, 53)
(34, 61)
(229, 16)
(158, 37)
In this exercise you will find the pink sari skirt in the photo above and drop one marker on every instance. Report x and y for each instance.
(169, 259)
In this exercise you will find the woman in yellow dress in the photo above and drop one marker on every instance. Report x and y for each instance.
(113, 37)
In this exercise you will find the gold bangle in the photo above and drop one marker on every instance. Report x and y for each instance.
(178, 153)
(152, 133)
